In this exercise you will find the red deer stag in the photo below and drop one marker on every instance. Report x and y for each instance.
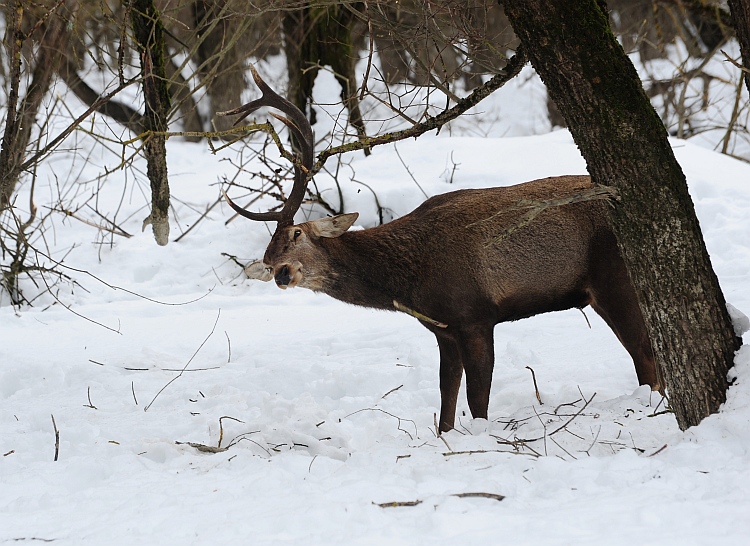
(461, 263)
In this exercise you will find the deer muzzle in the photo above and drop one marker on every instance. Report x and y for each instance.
(288, 275)
(282, 277)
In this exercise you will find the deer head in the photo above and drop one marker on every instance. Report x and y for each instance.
(295, 257)
(291, 245)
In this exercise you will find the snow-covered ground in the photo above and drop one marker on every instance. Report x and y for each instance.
(323, 413)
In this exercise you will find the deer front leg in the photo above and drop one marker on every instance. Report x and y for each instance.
(451, 370)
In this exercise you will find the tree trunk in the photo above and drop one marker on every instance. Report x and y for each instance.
(21, 115)
(741, 16)
(597, 90)
(149, 36)
(318, 36)
(220, 59)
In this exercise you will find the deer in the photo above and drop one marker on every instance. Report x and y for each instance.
(461, 263)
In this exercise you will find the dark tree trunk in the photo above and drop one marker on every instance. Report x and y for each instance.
(220, 59)
(597, 90)
(741, 16)
(21, 114)
(318, 36)
(149, 36)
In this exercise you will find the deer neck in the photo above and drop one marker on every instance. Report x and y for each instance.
(367, 270)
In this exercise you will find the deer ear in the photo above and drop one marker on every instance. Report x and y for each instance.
(334, 226)
(258, 270)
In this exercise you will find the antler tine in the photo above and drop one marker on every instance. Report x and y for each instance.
(259, 216)
(300, 127)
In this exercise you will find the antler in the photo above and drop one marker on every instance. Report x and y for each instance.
(300, 128)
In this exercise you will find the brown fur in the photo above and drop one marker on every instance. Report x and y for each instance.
(444, 260)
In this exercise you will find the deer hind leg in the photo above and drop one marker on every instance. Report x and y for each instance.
(477, 351)
(618, 306)
(451, 370)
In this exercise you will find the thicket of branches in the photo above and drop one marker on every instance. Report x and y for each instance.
(153, 69)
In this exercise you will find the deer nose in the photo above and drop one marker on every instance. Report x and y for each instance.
(282, 277)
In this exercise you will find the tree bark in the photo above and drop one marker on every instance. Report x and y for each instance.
(149, 36)
(598, 92)
(741, 16)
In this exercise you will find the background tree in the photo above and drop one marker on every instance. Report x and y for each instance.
(22, 109)
(149, 36)
(316, 36)
(598, 92)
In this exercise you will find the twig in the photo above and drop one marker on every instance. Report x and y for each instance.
(478, 451)
(221, 426)
(132, 389)
(57, 438)
(203, 448)
(391, 415)
(566, 404)
(595, 439)
(536, 389)
(544, 427)
(418, 315)
(566, 422)
(369, 57)
(89, 405)
(202, 216)
(391, 391)
(574, 416)
(735, 63)
(401, 159)
(229, 347)
(116, 230)
(635, 447)
(188, 362)
(479, 495)
(237, 439)
(440, 434)
(537, 206)
(561, 447)
(663, 412)
(397, 504)
(662, 448)
(585, 317)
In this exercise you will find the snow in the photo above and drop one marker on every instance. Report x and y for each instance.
(327, 410)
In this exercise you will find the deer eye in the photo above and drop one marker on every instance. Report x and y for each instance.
(297, 233)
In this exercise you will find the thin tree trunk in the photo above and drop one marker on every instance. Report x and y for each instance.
(597, 90)
(149, 36)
